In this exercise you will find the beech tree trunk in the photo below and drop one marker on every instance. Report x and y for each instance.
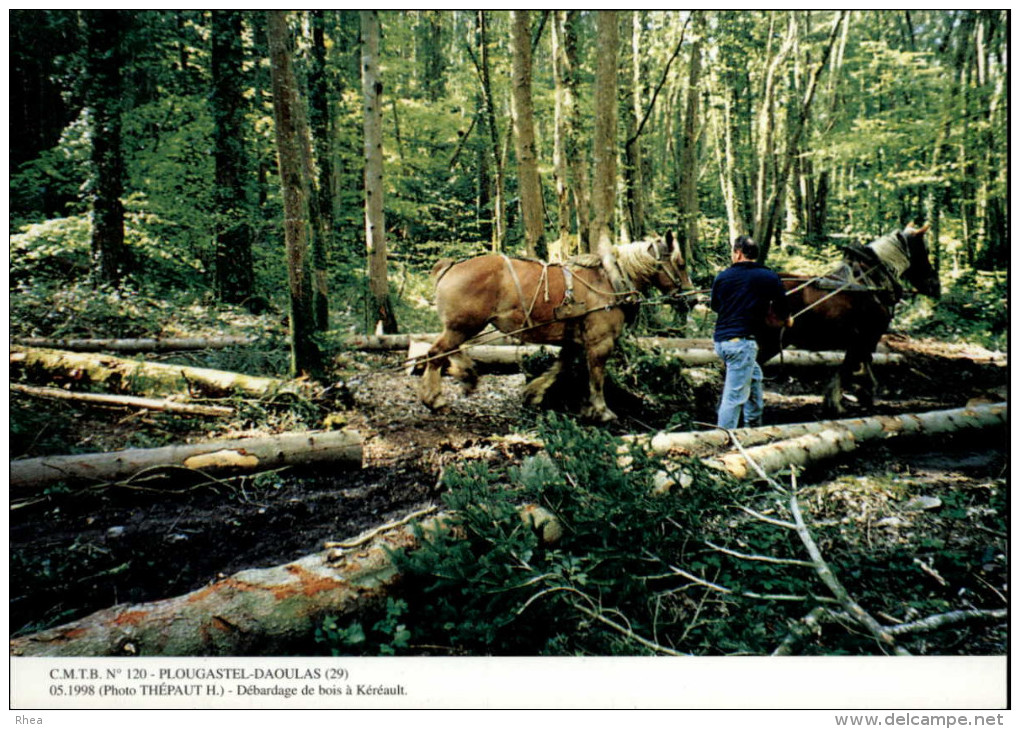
(532, 208)
(269, 611)
(578, 162)
(305, 354)
(145, 377)
(235, 274)
(244, 455)
(375, 228)
(603, 199)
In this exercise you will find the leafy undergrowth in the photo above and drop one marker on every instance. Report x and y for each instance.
(696, 571)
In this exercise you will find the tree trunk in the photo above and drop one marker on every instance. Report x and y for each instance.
(105, 93)
(145, 377)
(319, 123)
(305, 354)
(687, 225)
(633, 110)
(499, 198)
(235, 275)
(529, 183)
(217, 458)
(257, 612)
(578, 162)
(559, 138)
(375, 228)
(169, 406)
(603, 199)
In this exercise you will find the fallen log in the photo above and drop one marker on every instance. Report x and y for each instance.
(828, 438)
(270, 611)
(146, 403)
(935, 421)
(245, 455)
(504, 355)
(147, 377)
(157, 344)
(266, 611)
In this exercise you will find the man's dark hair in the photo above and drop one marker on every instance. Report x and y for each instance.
(747, 246)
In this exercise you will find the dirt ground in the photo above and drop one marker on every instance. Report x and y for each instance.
(74, 554)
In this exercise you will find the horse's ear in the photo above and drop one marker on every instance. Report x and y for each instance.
(669, 238)
(923, 229)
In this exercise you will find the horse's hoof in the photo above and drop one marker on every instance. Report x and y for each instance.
(598, 416)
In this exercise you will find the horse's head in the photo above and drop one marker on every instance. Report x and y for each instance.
(920, 273)
(671, 273)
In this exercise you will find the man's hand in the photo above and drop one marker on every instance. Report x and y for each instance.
(789, 322)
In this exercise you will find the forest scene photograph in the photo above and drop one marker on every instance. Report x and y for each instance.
(412, 333)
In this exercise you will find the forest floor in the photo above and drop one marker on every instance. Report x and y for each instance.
(74, 554)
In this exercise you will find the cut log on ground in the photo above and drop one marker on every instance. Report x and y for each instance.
(222, 457)
(831, 437)
(169, 344)
(146, 403)
(271, 611)
(146, 377)
(509, 355)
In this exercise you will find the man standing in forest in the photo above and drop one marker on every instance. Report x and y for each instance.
(741, 297)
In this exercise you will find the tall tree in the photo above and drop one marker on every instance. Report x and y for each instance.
(632, 109)
(577, 162)
(320, 125)
(305, 355)
(530, 185)
(375, 231)
(235, 278)
(105, 97)
(603, 198)
(687, 225)
(496, 151)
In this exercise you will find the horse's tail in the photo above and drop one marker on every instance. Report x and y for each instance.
(439, 270)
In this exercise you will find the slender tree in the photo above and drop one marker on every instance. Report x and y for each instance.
(577, 162)
(375, 231)
(235, 278)
(603, 197)
(305, 355)
(530, 184)
(105, 31)
(687, 225)
(485, 83)
(320, 125)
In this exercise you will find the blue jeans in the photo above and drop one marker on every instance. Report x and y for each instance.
(742, 389)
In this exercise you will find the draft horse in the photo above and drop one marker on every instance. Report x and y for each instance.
(579, 305)
(850, 308)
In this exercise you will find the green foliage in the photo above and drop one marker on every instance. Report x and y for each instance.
(387, 637)
(973, 308)
(489, 586)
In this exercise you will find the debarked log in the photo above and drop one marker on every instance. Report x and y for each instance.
(829, 438)
(145, 403)
(143, 344)
(218, 457)
(270, 611)
(147, 377)
(514, 354)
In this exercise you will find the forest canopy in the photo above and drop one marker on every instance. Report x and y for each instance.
(145, 144)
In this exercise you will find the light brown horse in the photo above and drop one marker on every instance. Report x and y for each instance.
(578, 305)
(851, 308)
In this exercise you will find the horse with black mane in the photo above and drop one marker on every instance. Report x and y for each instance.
(580, 305)
(850, 308)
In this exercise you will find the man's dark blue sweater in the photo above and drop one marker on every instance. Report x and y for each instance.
(741, 296)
